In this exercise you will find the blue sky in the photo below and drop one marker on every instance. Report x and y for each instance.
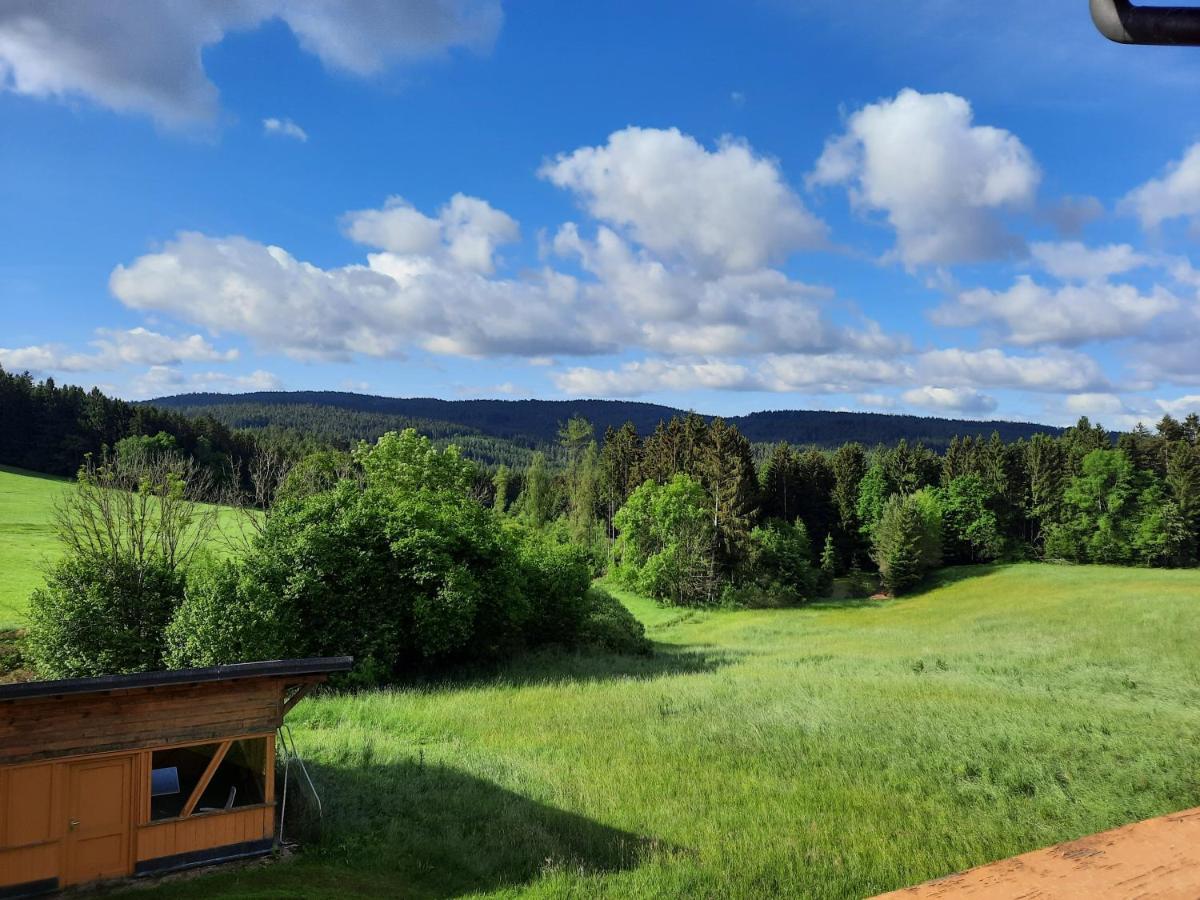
(722, 206)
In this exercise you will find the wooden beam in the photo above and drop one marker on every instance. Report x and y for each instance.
(205, 778)
(300, 693)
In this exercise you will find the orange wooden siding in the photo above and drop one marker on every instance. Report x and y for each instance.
(109, 795)
(201, 832)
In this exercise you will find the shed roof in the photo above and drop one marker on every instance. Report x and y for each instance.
(275, 668)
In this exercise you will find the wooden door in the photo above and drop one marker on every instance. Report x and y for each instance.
(99, 820)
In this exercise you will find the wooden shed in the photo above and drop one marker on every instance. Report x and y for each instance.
(131, 774)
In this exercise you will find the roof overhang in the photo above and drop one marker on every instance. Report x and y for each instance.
(276, 668)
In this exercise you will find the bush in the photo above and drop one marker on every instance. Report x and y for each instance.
(102, 615)
(609, 626)
(780, 562)
(407, 573)
(555, 578)
(225, 617)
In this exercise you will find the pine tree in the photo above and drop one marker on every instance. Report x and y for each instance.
(829, 564)
(778, 479)
(726, 465)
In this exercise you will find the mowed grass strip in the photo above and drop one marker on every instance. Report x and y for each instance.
(834, 751)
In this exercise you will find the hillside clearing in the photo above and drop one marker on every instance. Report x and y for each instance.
(834, 751)
(27, 537)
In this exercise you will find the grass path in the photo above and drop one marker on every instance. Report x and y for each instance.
(834, 751)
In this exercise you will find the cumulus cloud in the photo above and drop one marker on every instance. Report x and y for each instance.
(1074, 314)
(649, 376)
(674, 309)
(942, 181)
(467, 230)
(147, 55)
(1053, 372)
(1174, 195)
(378, 309)
(725, 209)
(943, 399)
(432, 282)
(159, 381)
(113, 349)
(817, 373)
(948, 379)
(284, 128)
(1075, 261)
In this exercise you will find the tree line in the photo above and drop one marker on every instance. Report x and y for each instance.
(690, 513)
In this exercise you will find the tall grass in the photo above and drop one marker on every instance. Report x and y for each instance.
(834, 751)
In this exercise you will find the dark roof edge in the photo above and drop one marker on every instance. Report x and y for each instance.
(319, 665)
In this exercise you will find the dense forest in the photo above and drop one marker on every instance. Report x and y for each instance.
(48, 428)
(535, 423)
(693, 518)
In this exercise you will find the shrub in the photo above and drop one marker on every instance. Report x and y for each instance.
(102, 615)
(609, 626)
(225, 617)
(555, 578)
(407, 573)
(781, 558)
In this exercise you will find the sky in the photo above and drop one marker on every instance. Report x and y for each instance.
(927, 207)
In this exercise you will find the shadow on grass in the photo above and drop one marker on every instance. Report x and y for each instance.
(556, 666)
(29, 473)
(435, 832)
(936, 580)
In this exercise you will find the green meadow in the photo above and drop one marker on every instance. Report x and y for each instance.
(27, 539)
(838, 750)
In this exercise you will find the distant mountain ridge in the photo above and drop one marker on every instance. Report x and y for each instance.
(534, 422)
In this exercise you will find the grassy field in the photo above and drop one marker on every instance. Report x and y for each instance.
(27, 540)
(834, 751)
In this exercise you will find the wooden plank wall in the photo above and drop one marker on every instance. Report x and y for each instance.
(71, 725)
(202, 832)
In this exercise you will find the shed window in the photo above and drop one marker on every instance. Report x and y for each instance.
(239, 779)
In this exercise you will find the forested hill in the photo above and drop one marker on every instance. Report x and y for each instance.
(345, 416)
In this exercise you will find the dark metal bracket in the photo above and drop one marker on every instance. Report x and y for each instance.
(1125, 23)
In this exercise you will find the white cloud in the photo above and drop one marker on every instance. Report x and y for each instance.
(727, 209)
(113, 349)
(649, 376)
(1051, 372)
(943, 399)
(378, 309)
(284, 128)
(1175, 194)
(942, 181)
(672, 309)
(1075, 261)
(1093, 404)
(147, 55)
(467, 230)
(1180, 406)
(160, 381)
(782, 373)
(1074, 314)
